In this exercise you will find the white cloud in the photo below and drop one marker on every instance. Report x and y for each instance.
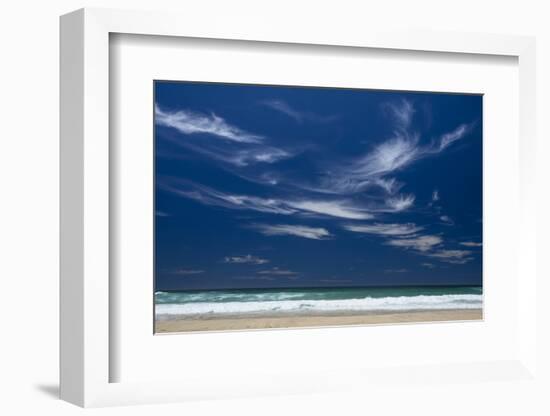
(314, 233)
(387, 157)
(265, 155)
(402, 112)
(422, 243)
(333, 209)
(189, 122)
(452, 256)
(384, 229)
(392, 155)
(396, 270)
(448, 138)
(446, 219)
(471, 244)
(226, 152)
(428, 265)
(299, 116)
(284, 108)
(459, 261)
(400, 203)
(209, 196)
(248, 259)
(390, 185)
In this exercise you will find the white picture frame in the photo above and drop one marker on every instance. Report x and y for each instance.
(86, 355)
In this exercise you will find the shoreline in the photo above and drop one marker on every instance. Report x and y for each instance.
(251, 322)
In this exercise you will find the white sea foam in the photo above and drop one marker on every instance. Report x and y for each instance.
(399, 303)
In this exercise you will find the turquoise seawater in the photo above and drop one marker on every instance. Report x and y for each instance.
(321, 300)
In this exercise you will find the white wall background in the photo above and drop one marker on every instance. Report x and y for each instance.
(29, 204)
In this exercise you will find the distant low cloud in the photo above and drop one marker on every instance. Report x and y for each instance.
(428, 265)
(335, 280)
(313, 233)
(248, 259)
(452, 256)
(189, 122)
(275, 271)
(187, 272)
(396, 270)
(471, 244)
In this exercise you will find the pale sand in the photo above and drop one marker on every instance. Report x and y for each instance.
(263, 322)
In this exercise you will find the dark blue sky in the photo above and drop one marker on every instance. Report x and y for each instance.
(270, 186)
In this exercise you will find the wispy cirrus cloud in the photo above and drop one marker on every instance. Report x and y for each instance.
(283, 107)
(359, 188)
(384, 229)
(189, 122)
(208, 196)
(422, 243)
(247, 259)
(390, 156)
(402, 112)
(407, 236)
(298, 115)
(448, 138)
(390, 185)
(339, 209)
(242, 156)
(387, 157)
(313, 233)
(400, 203)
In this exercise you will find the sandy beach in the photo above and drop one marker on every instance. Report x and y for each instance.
(300, 321)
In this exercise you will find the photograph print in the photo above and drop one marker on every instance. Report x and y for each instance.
(295, 207)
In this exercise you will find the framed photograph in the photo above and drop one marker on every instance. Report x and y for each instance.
(297, 199)
(289, 206)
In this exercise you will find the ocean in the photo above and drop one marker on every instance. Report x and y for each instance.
(272, 302)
